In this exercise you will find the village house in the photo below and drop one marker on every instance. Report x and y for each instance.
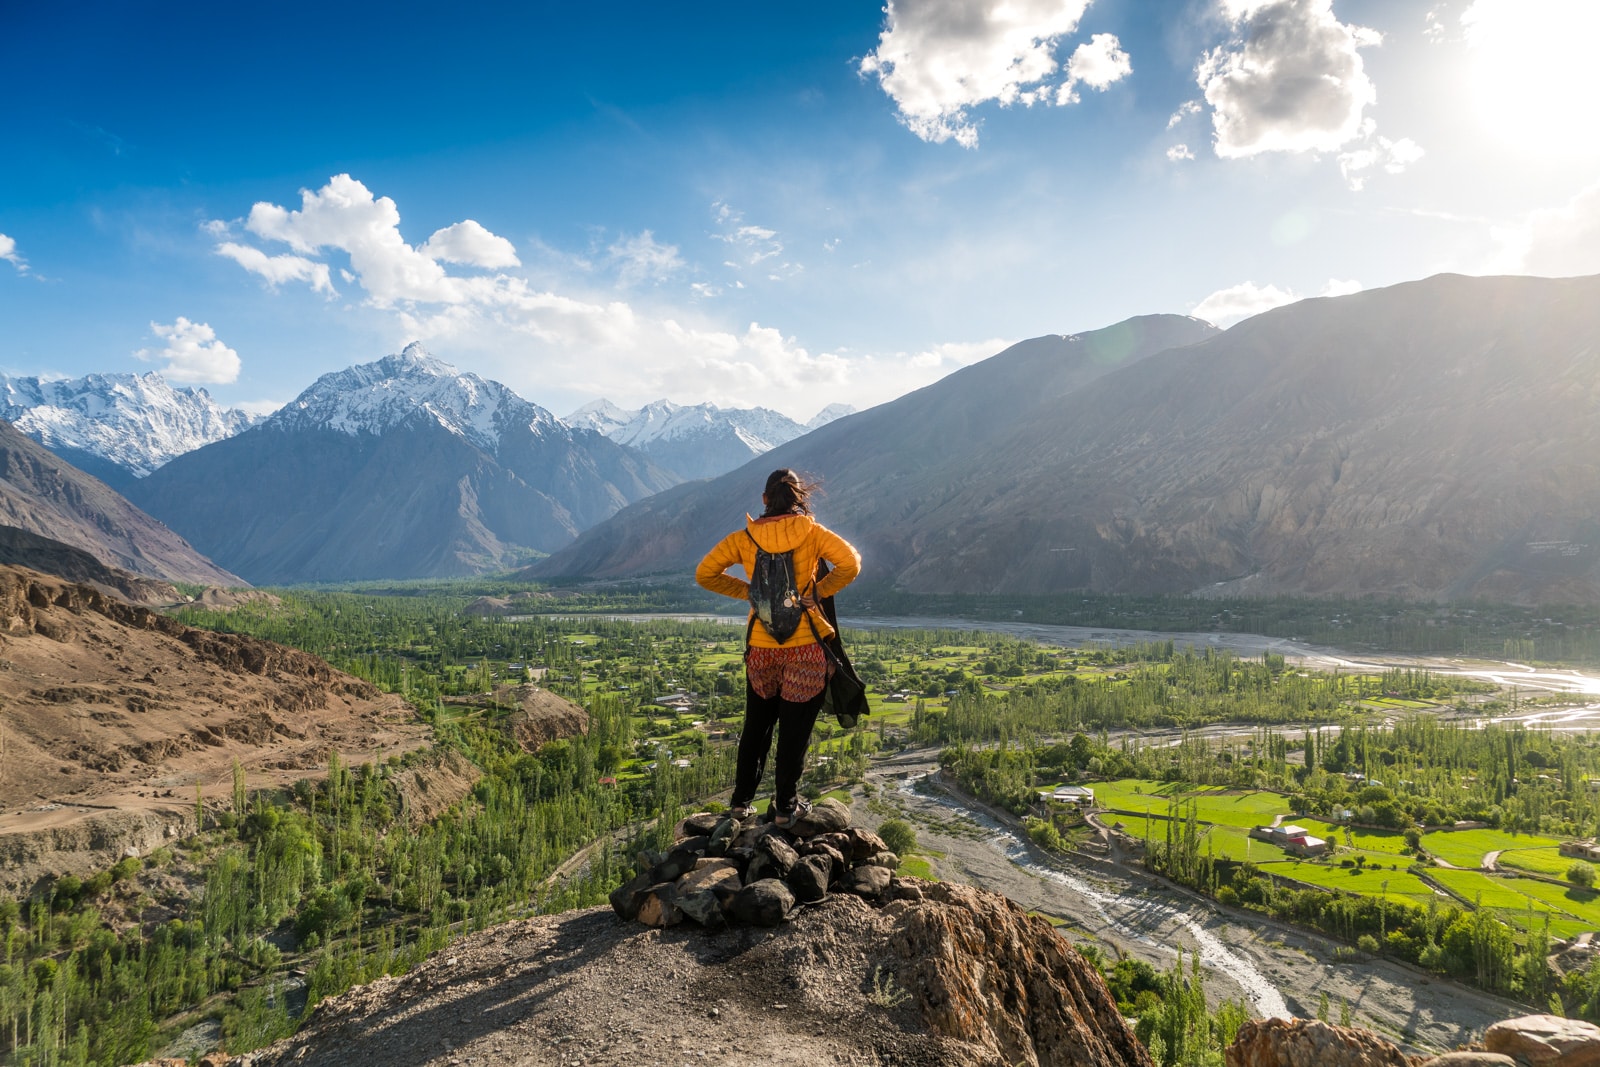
(1076, 795)
(1295, 839)
(1583, 850)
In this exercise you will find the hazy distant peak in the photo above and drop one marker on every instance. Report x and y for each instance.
(829, 414)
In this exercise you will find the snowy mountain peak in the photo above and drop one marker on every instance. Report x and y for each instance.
(399, 390)
(829, 414)
(132, 422)
(601, 415)
(698, 440)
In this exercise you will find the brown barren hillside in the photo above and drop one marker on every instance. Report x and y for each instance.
(111, 715)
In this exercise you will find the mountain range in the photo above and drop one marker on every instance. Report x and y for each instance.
(1436, 439)
(405, 467)
(64, 508)
(700, 440)
(117, 427)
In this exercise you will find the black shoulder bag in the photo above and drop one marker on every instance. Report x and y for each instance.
(845, 695)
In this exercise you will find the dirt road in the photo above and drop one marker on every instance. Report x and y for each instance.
(1276, 968)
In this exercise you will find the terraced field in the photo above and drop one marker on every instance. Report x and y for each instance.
(1466, 848)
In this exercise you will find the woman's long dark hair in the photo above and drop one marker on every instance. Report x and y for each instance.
(787, 493)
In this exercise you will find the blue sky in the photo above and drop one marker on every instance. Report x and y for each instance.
(777, 204)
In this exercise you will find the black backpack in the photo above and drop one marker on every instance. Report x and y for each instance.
(774, 594)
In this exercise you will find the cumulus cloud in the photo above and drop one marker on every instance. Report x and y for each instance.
(192, 353)
(279, 269)
(1377, 153)
(642, 258)
(8, 252)
(468, 243)
(1179, 152)
(1097, 63)
(1555, 242)
(1290, 80)
(938, 59)
(1227, 306)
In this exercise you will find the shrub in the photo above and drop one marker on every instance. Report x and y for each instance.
(898, 836)
(1368, 944)
(1581, 874)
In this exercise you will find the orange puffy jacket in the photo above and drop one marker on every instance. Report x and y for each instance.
(801, 534)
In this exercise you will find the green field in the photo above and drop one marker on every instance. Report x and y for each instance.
(1212, 804)
(1224, 842)
(1371, 881)
(1545, 860)
(1386, 843)
(1466, 848)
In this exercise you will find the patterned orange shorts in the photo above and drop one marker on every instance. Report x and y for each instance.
(797, 673)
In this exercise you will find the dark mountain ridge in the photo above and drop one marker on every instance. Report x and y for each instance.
(1436, 439)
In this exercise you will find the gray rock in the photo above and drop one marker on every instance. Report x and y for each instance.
(779, 851)
(764, 903)
(1546, 1041)
(808, 879)
(812, 848)
(660, 906)
(762, 866)
(864, 843)
(626, 898)
(866, 881)
(704, 907)
(680, 861)
(719, 876)
(829, 816)
(906, 889)
(1471, 1059)
(721, 838)
(884, 859)
(701, 824)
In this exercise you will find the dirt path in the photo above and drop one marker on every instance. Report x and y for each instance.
(1131, 913)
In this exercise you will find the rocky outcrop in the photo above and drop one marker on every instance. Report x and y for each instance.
(1309, 1043)
(954, 977)
(1545, 1041)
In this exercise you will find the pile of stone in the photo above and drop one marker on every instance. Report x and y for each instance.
(751, 872)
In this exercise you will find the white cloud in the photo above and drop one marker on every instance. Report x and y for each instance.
(279, 269)
(1185, 109)
(938, 58)
(753, 245)
(1097, 63)
(1227, 306)
(8, 252)
(1179, 152)
(1377, 152)
(642, 258)
(1341, 287)
(468, 243)
(1290, 80)
(1555, 242)
(259, 407)
(193, 353)
(1530, 78)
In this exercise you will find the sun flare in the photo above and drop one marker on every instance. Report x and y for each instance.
(1533, 78)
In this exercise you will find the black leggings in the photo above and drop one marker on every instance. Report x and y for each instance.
(793, 722)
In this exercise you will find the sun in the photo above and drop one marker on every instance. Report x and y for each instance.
(1534, 83)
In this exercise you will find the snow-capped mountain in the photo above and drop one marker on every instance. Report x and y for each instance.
(699, 440)
(829, 414)
(405, 467)
(397, 391)
(117, 426)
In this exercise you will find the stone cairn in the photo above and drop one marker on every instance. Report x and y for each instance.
(725, 871)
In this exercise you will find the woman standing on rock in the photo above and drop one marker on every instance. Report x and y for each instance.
(786, 668)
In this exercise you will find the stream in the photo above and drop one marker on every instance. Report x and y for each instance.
(1263, 995)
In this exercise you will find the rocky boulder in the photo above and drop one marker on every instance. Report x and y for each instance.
(1546, 1041)
(1309, 1043)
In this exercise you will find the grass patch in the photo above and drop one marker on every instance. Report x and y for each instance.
(917, 867)
(1466, 848)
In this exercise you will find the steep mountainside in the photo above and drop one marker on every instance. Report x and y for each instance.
(878, 464)
(113, 715)
(400, 468)
(20, 548)
(117, 427)
(702, 440)
(41, 494)
(1436, 439)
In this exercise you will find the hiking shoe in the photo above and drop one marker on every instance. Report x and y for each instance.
(786, 819)
(741, 812)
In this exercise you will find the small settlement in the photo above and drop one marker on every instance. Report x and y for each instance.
(1295, 839)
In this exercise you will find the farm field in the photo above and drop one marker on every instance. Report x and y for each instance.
(1370, 881)
(1381, 844)
(1212, 804)
(1546, 860)
(1466, 848)
(1225, 842)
